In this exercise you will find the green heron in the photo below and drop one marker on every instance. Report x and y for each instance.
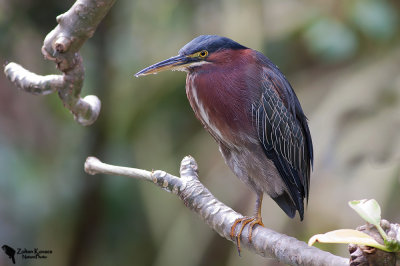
(251, 110)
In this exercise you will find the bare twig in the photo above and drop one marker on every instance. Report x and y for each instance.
(61, 45)
(220, 217)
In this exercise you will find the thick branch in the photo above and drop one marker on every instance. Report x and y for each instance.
(61, 45)
(220, 217)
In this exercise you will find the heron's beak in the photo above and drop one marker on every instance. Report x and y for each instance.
(174, 63)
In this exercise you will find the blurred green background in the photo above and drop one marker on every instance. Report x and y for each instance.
(341, 56)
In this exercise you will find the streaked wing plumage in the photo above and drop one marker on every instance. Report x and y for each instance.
(282, 129)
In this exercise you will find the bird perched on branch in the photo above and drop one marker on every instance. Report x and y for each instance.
(251, 110)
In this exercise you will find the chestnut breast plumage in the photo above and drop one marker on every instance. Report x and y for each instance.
(213, 93)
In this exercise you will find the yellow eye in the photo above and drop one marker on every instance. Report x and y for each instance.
(203, 54)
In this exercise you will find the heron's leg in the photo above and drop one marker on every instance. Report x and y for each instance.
(256, 219)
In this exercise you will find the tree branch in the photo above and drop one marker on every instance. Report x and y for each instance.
(220, 217)
(61, 45)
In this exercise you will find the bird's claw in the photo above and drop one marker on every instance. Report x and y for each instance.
(244, 221)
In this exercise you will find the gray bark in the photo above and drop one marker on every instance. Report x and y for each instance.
(220, 217)
(62, 46)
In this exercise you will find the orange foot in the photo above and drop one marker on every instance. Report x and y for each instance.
(244, 220)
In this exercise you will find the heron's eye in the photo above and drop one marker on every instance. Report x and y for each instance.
(203, 54)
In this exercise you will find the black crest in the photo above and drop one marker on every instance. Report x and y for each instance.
(211, 43)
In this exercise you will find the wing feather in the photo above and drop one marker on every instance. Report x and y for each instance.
(283, 132)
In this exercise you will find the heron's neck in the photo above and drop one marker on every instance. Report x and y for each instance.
(219, 97)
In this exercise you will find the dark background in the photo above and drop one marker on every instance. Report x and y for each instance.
(341, 56)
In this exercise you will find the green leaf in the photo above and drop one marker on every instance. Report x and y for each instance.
(347, 236)
(370, 211)
(392, 244)
(376, 19)
(330, 40)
